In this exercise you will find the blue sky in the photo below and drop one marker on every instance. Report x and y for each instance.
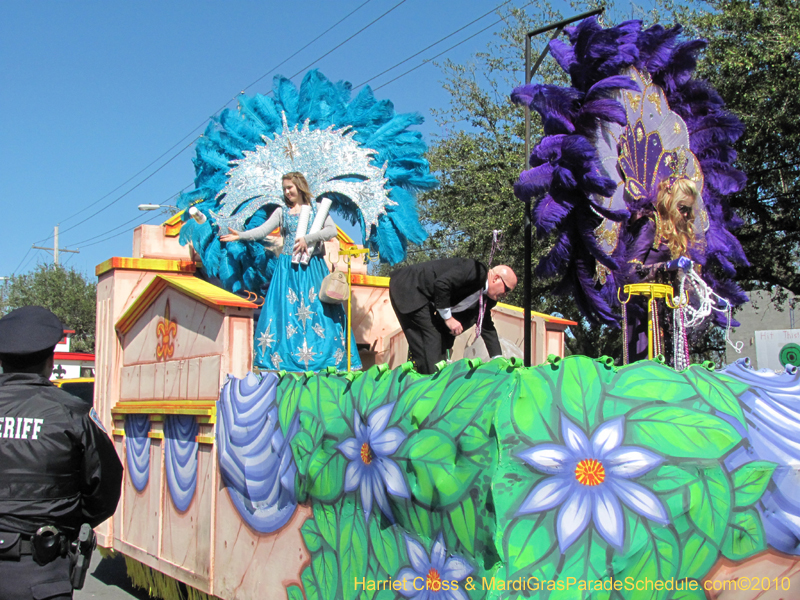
(92, 92)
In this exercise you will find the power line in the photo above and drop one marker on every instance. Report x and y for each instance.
(139, 216)
(301, 49)
(384, 14)
(23, 258)
(111, 237)
(449, 35)
(427, 60)
(110, 204)
(201, 125)
(370, 24)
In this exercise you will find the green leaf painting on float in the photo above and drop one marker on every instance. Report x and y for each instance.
(649, 380)
(671, 483)
(531, 547)
(423, 521)
(371, 390)
(750, 482)
(671, 478)
(736, 387)
(385, 545)
(294, 593)
(464, 399)
(327, 521)
(534, 414)
(310, 584)
(714, 392)
(326, 572)
(334, 406)
(463, 517)
(353, 544)
(698, 555)
(326, 468)
(311, 535)
(680, 432)
(710, 499)
(288, 397)
(303, 446)
(586, 559)
(418, 400)
(580, 390)
(658, 559)
(745, 537)
(441, 476)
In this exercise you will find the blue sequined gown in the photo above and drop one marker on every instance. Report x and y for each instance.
(297, 332)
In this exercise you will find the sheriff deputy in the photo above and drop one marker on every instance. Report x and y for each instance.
(58, 466)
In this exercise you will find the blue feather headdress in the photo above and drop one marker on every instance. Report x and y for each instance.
(393, 166)
(584, 183)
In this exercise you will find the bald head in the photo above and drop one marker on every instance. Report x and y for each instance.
(502, 280)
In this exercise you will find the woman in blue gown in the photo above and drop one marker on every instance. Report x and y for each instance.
(296, 331)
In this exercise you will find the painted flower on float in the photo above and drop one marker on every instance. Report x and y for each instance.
(589, 478)
(435, 577)
(370, 466)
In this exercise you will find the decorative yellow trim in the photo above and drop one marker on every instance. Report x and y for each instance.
(156, 435)
(546, 318)
(204, 439)
(145, 264)
(195, 288)
(649, 290)
(345, 241)
(370, 280)
(172, 226)
(205, 410)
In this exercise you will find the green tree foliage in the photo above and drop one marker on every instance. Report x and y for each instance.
(67, 292)
(480, 157)
(753, 60)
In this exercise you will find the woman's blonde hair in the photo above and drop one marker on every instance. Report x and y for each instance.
(299, 181)
(675, 227)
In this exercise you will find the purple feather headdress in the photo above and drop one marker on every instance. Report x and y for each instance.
(632, 114)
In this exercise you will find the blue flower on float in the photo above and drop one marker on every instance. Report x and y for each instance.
(431, 578)
(370, 466)
(589, 478)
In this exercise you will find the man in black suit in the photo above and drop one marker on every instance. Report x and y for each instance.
(435, 301)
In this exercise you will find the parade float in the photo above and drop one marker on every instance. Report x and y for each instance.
(575, 478)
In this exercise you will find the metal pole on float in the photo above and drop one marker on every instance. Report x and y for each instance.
(529, 73)
(349, 253)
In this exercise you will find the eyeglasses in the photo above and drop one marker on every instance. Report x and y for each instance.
(506, 289)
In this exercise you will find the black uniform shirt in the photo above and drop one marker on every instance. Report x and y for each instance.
(57, 466)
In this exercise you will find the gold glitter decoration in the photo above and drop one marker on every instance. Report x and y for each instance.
(634, 100)
(654, 98)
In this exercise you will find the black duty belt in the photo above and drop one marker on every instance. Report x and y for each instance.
(45, 545)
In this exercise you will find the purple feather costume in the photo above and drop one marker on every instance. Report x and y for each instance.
(632, 117)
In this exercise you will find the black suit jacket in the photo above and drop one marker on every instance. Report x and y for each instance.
(444, 283)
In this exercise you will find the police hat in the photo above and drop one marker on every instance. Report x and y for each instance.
(29, 330)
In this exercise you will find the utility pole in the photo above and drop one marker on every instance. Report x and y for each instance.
(55, 247)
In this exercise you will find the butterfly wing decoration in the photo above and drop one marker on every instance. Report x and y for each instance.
(632, 117)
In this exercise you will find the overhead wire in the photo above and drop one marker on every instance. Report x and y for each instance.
(384, 14)
(139, 216)
(370, 24)
(436, 43)
(427, 60)
(120, 233)
(205, 121)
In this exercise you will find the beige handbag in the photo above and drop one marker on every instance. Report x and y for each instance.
(334, 288)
